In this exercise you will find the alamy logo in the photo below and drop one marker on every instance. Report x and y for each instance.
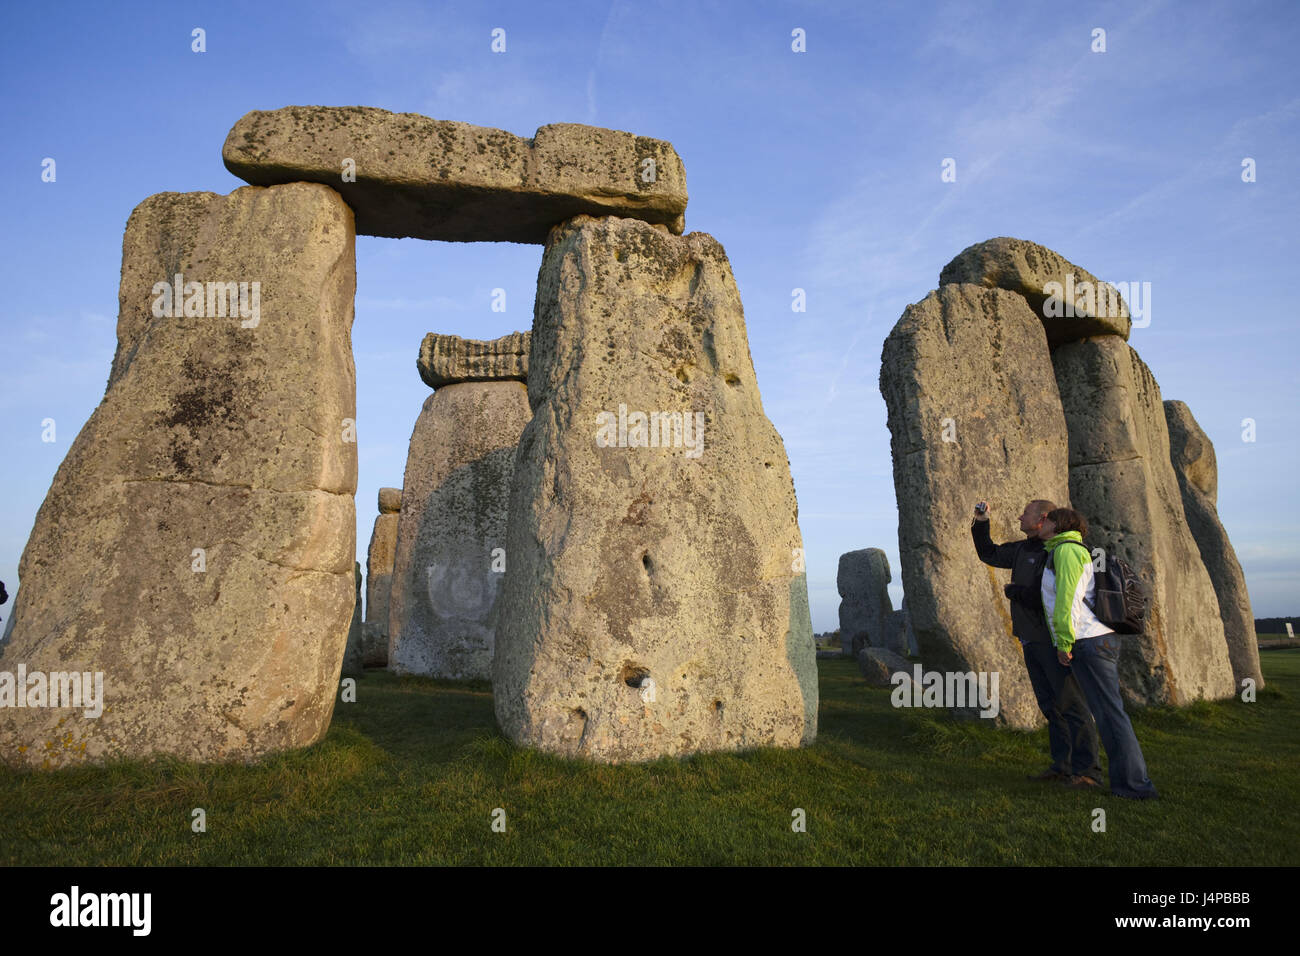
(1100, 299)
(58, 689)
(949, 689)
(212, 300)
(653, 430)
(103, 909)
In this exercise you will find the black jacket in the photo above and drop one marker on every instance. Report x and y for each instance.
(1025, 559)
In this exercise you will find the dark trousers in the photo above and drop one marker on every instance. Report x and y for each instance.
(1071, 733)
(1095, 665)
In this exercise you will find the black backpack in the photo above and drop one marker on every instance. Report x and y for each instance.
(1120, 599)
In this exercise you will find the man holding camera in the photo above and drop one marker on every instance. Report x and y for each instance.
(1071, 733)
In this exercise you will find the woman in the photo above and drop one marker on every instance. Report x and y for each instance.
(1089, 648)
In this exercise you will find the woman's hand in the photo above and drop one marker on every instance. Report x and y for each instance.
(1064, 658)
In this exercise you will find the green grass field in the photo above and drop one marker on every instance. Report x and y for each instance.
(411, 774)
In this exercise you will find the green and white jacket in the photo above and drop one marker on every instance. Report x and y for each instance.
(1069, 572)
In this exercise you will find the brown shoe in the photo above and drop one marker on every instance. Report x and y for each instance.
(1047, 776)
(1080, 783)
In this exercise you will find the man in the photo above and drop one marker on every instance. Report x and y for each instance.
(1071, 734)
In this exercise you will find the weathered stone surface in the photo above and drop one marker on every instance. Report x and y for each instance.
(436, 179)
(896, 633)
(446, 580)
(1026, 268)
(1197, 469)
(628, 563)
(379, 586)
(879, 664)
(865, 609)
(218, 435)
(971, 365)
(1123, 482)
(449, 359)
(390, 501)
(913, 648)
(353, 655)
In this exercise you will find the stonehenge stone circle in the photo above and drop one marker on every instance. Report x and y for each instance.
(1196, 466)
(865, 609)
(218, 474)
(652, 604)
(379, 578)
(1122, 480)
(435, 179)
(1026, 268)
(449, 359)
(197, 542)
(973, 414)
(448, 562)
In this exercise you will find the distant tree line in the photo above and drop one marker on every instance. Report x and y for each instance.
(1275, 625)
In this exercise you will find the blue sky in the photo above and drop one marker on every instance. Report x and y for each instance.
(818, 170)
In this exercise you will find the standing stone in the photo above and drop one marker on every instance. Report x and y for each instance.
(896, 633)
(379, 578)
(1197, 469)
(913, 648)
(651, 606)
(1122, 480)
(865, 609)
(194, 545)
(973, 415)
(1028, 269)
(438, 179)
(448, 564)
(353, 659)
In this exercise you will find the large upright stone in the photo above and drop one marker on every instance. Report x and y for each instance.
(1027, 268)
(437, 179)
(353, 655)
(447, 568)
(379, 578)
(651, 605)
(449, 359)
(865, 607)
(197, 542)
(1123, 482)
(973, 415)
(1197, 469)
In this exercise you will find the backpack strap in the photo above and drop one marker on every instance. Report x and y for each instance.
(1051, 555)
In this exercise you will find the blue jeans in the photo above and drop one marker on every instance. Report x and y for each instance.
(1095, 668)
(1071, 736)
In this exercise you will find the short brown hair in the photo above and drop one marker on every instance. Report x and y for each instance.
(1042, 506)
(1067, 519)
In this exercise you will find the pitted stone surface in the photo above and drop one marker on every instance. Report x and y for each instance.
(973, 415)
(197, 542)
(438, 179)
(449, 359)
(1122, 480)
(390, 501)
(652, 605)
(1025, 268)
(447, 571)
